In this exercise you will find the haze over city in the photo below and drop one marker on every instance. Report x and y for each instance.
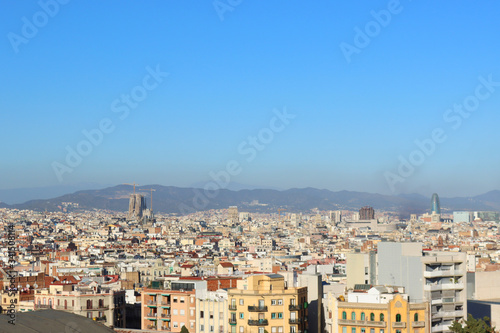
(205, 83)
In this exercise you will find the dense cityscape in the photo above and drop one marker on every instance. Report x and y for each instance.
(229, 271)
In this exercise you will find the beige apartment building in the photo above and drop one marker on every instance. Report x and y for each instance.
(264, 303)
(105, 306)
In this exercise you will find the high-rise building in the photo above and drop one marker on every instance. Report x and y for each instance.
(136, 206)
(366, 213)
(233, 215)
(264, 303)
(436, 277)
(435, 206)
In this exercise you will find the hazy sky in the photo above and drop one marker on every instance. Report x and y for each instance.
(326, 94)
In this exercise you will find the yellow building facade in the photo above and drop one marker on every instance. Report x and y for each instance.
(263, 303)
(396, 316)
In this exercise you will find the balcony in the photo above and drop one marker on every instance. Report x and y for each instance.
(165, 315)
(294, 321)
(381, 324)
(232, 307)
(398, 324)
(448, 314)
(43, 306)
(260, 322)
(165, 328)
(417, 324)
(151, 327)
(103, 318)
(257, 308)
(151, 315)
(150, 302)
(232, 321)
(294, 307)
(445, 286)
(441, 273)
(165, 303)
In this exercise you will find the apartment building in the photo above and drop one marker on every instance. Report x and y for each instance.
(265, 303)
(168, 310)
(435, 277)
(107, 306)
(381, 310)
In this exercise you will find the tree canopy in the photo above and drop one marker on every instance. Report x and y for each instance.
(472, 325)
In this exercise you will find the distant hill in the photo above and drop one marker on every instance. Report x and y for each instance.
(171, 199)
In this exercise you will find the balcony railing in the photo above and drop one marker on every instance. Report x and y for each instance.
(294, 321)
(165, 315)
(232, 321)
(103, 318)
(165, 303)
(381, 324)
(294, 307)
(259, 322)
(252, 308)
(417, 324)
(43, 306)
(165, 328)
(151, 314)
(399, 325)
(151, 327)
(232, 307)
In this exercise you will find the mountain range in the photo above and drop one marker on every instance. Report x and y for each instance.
(171, 199)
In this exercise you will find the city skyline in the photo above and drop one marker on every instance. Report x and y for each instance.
(370, 97)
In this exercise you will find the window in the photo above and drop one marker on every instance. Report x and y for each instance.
(280, 302)
(73, 303)
(273, 315)
(242, 315)
(176, 324)
(372, 330)
(415, 317)
(175, 311)
(202, 314)
(89, 304)
(101, 303)
(233, 329)
(89, 314)
(344, 329)
(261, 329)
(353, 330)
(211, 315)
(363, 330)
(274, 329)
(381, 331)
(363, 316)
(280, 315)
(372, 316)
(202, 328)
(182, 299)
(280, 329)
(175, 299)
(182, 312)
(353, 315)
(182, 324)
(242, 329)
(273, 302)
(381, 318)
(398, 318)
(191, 312)
(344, 315)
(398, 331)
(191, 325)
(211, 328)
(192, 300)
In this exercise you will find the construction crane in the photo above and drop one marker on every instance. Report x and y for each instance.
(151, 189)
(279, 213)
(134, 184)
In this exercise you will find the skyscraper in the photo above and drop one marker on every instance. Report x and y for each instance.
(366, 213)
(435, 206)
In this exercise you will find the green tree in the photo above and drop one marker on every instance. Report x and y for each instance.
(472, 325)
(184, 329)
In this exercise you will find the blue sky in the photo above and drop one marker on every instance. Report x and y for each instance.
(228, 78)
